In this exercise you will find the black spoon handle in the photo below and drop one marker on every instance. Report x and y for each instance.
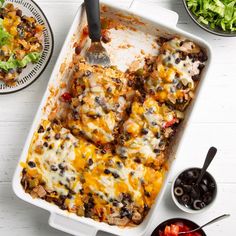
(210, 155)
(92, 8)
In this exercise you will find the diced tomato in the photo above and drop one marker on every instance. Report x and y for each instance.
(66, 97)
(170, 123)
(172, 230)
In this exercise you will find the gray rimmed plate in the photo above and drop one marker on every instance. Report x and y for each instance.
(216, 31)
(32, 71)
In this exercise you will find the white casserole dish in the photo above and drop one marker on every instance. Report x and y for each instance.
(157, 18)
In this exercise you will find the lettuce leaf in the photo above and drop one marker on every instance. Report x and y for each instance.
(4, 35)
(13, 63)
(215, 13)
(1, 2)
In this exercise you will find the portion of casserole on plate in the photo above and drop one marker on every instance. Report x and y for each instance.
(104, 154)
(20, 42)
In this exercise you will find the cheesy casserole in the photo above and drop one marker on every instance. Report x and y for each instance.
(104, 155)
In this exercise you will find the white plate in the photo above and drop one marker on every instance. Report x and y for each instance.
(32, 71)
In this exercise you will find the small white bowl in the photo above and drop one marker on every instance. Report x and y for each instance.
(189, 210)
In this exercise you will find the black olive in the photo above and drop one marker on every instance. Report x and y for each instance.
(186, 199)
(207, 198)
(203, 188)
(31, 164)
(195, 173)
(198, 204)
(187, 188)
(178, 191)
(212, 186)
(195, 193)
(178, 182)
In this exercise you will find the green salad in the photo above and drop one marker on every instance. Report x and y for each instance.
(215, 13)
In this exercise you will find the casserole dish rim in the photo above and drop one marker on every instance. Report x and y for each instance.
(53, 209)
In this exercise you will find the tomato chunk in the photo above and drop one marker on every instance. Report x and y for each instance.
(66, 97)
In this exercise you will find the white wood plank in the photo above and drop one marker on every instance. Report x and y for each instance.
(213, 123)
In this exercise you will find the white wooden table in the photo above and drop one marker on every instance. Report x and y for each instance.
(213, 123)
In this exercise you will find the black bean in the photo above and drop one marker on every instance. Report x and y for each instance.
(106, 171)
(109, 89)
(177, 60)
(31, 164)
(103, 151)
(57, 136)
(53, 168)
(119, 164)
(41, 129)
(181, 43)
(115, 175)
(45, 144)
(201, 66)
(61, 167)
(147, 194)
(156, 150)
(115, 203)
(90, 162)
(158, 135)
(154, 123)
(87, 73)
(137, 160)
(124, 212)
(50, 146)
(144, 131)
(196, 77)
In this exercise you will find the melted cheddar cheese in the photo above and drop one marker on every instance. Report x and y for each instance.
(106, 156)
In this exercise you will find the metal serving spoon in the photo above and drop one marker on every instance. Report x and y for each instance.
(96, 54)
(208, 223)
(210, 155)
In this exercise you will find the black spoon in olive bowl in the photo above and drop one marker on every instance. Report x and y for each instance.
(194, 190)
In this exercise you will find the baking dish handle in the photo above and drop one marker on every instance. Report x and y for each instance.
(71, 226)
(155, 13)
